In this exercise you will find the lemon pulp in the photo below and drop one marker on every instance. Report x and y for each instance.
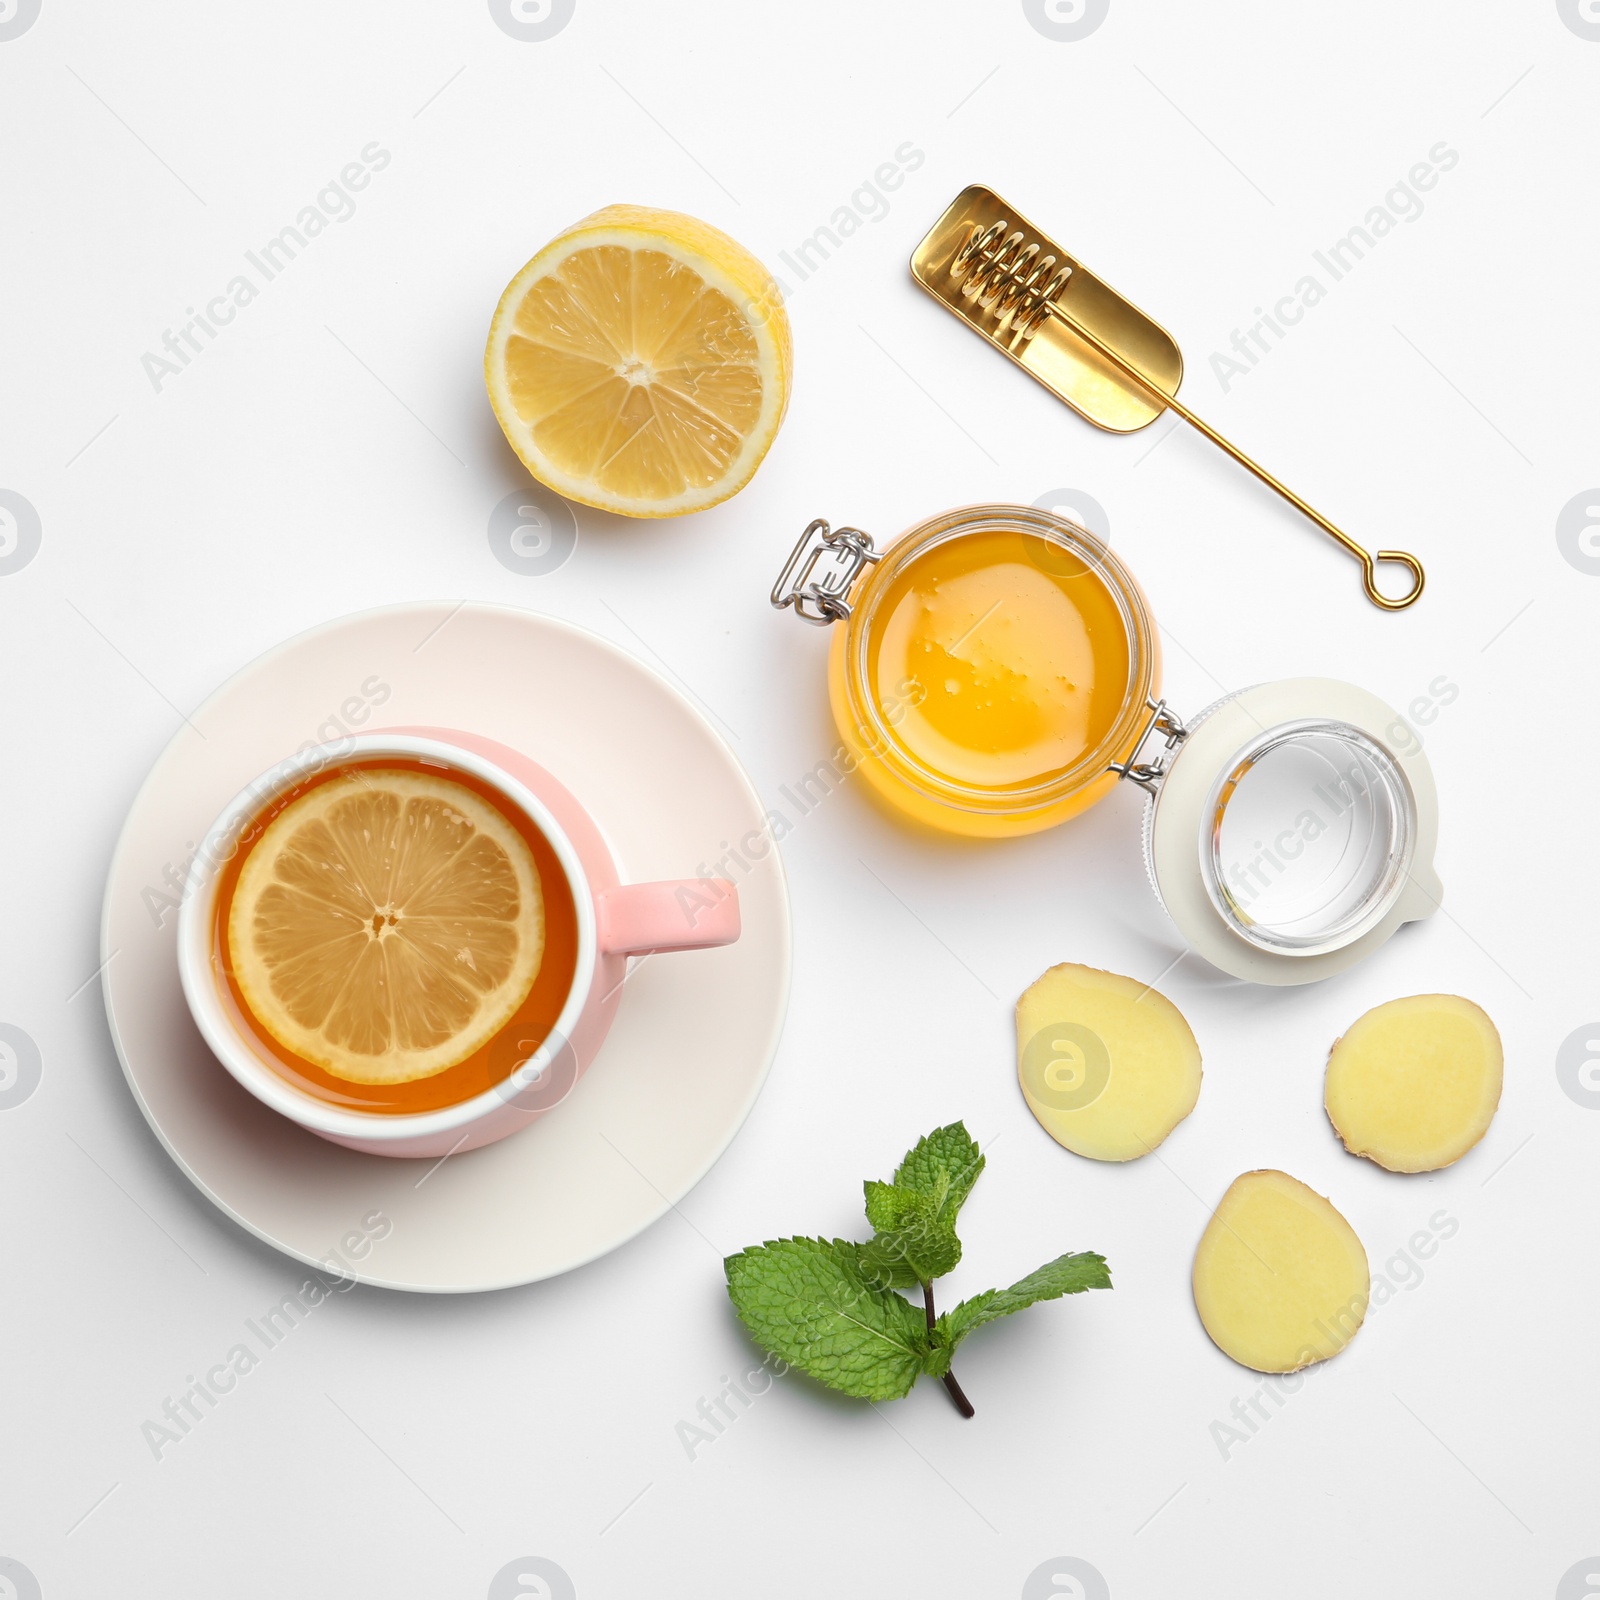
(386, 924)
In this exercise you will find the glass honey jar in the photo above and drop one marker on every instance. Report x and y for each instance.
(997, 671)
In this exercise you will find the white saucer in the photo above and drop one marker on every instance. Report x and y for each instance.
(695, 1033)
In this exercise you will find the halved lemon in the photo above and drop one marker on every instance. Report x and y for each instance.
(641, 363)
(386, 925)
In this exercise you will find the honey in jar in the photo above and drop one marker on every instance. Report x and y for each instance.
(997, 663)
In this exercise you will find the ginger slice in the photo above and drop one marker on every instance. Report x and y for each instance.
(1280, 1278)
(1414, 1084)
(1107, 1065)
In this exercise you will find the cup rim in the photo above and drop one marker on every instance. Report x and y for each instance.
(236, 1053)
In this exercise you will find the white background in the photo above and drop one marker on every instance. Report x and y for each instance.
(334, 450)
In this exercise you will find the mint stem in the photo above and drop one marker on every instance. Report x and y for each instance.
(962, 1404)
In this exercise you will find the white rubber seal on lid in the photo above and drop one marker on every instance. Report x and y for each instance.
(1295, 831)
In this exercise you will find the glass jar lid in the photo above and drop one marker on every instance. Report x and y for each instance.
(1293, 830)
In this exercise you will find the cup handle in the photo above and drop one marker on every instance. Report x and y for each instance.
(682, 914)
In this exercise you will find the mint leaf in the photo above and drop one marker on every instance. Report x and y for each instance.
(890, 1208)
(1069, 1274)
(914, 1217)
(944, 1166)
(920, 1250)
(808, 1301)
(911, 1245)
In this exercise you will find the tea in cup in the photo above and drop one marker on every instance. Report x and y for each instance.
(412, 942)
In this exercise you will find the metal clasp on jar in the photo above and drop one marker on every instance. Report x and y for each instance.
(818, 576)
(1148, 774)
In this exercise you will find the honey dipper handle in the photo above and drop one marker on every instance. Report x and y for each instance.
(1368, 560)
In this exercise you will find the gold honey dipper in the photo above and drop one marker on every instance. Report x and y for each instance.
(1114, 366)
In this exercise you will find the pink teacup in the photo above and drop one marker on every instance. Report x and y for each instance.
(614, 921)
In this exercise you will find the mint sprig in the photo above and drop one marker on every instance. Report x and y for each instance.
(831, 1308)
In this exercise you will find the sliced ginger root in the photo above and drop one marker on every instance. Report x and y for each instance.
(1108, 1066)
(1280, 1278)
(1414, 1084)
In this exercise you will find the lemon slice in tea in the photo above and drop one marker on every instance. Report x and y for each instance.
(386, 925)
(640, 362)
